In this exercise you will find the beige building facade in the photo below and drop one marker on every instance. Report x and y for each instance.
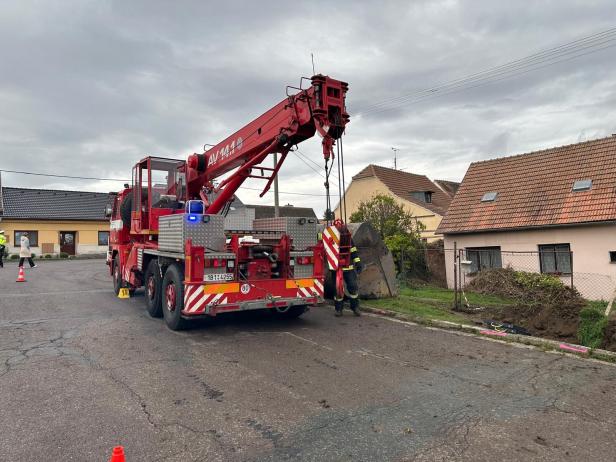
(424, 199)
(57, 221)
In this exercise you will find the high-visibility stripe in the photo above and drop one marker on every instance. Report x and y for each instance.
(353, 249)
(293, 283)
(229, 288)
(356, 260)
(332, 231)
(199, 303)
(194, 292)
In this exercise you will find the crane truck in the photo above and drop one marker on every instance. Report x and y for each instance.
(167, 228)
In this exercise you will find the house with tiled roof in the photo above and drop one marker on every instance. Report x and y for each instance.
(56, 221)
(557, 205)
(425, 199)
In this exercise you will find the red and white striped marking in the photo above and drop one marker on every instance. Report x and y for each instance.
(196, 300)
(331, 243)
(308, 292)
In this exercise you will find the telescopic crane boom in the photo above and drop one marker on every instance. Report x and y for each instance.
(320, 108)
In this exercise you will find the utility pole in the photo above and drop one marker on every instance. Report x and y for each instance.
(276, 208)
(395, 150)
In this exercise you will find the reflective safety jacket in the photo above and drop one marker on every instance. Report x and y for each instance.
(354, 258)
(2, 239)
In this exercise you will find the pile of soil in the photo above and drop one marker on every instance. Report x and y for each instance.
(609, 339)
(542, 304)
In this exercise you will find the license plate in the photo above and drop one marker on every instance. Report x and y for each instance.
(218, 277)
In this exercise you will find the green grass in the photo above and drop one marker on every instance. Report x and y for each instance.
(417, 309)
(592, 324)
(428, 302)
(440, 294)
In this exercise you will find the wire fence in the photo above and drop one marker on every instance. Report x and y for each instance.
(456, 268)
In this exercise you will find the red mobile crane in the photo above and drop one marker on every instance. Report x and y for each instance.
(168, 233)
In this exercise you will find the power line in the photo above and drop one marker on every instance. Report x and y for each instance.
(285, 192)
(64, 176)
(536, 58)
(487, 82)
(520, 66)
(128, 181)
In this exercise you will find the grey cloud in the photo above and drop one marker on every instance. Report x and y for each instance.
(90, 87)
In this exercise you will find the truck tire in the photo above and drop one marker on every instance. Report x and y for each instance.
(173, 298)
(293, 312)
(153, 284)
(125, 209)
(116, 275)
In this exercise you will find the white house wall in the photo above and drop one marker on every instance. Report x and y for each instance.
(593, 274)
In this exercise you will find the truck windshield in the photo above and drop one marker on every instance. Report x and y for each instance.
(167, 183)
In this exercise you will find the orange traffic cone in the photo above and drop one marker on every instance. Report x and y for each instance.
(118, 454)
(21, 277)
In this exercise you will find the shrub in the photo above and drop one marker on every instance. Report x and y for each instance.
(48, 256)
(538, 280)
(63, 255)
(33, 255)
(14, 257)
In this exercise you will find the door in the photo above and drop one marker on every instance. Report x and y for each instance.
(67, 242)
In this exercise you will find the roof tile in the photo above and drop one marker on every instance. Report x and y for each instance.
(535, 189)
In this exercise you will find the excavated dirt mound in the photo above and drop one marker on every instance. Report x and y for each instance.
(609, 339)
(542, 304)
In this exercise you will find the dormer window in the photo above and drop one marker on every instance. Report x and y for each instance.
(422, 196)
(582, 185)
(489, 196)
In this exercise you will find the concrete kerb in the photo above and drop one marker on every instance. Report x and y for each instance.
(541, 343)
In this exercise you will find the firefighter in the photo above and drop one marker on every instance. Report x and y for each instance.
(351, 286)
(2, 246)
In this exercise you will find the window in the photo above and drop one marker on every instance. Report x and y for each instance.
(582, 185)
(484, 258)
(103, 238)
(32, 237)
(489, 196)
(555, 258)
(422, 196)
(612, 256)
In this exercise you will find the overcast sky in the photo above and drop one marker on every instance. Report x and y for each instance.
(89, 87)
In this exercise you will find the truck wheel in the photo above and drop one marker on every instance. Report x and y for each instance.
(153, 290)
(117, 277)
(173, 298)
(293, 312)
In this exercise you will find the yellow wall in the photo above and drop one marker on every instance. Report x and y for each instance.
(49, 232)
(365, 189)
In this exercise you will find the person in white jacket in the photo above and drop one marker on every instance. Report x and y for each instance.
(24, 251)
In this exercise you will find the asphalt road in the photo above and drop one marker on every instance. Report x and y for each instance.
(82, 371)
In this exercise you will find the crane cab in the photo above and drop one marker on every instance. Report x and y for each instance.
(158, 189)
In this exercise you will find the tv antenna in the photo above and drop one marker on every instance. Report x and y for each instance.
(395, 150)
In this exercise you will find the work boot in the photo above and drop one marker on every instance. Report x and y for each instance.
(338, 306)
(355, 307)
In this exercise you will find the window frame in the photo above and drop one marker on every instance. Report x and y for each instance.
(545, 249)
(99, 238)
(17, 241)
(479, 251)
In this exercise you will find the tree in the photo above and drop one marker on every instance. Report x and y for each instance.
(388, 217)
(400, 231)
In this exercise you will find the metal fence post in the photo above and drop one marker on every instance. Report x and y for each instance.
(455, 275)
(571, 266)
